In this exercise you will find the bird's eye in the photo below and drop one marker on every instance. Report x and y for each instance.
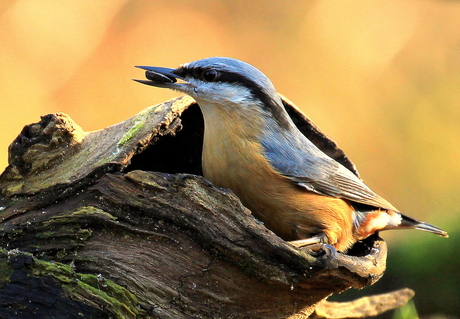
(210, 75)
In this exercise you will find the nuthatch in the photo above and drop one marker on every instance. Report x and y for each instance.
(252, 147)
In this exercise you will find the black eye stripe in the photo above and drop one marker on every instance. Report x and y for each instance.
(223, 76)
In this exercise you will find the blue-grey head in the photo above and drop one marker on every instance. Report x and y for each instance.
(222, 82)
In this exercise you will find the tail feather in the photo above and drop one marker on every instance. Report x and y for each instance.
(408, 222)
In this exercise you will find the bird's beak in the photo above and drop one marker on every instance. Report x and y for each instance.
(162, 77)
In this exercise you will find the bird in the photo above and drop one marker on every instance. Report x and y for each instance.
(252, 147)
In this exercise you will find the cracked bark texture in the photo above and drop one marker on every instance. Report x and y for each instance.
(118, 223)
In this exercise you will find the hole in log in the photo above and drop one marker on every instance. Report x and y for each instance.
(179, 153)
(364, 247)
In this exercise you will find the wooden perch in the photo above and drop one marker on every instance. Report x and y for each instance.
(118, 223)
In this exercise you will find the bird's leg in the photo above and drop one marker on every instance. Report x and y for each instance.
(307, 241)
(319, 238)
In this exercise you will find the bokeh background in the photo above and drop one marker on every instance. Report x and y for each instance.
(381, 77)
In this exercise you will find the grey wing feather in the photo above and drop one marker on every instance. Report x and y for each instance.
(345, 187)
(303, 163)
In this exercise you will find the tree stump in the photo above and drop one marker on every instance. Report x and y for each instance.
(118, 223)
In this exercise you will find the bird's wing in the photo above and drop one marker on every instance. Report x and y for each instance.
(342, 186)
(305, 165)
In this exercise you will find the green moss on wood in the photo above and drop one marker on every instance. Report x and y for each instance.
(120, 300)
(5, 268)
(62, 272)
(82, 212)
(138, 125)
(100, 292)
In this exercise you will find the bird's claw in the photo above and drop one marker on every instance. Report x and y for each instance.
(324, 254)
(321, 250)
(316, 247)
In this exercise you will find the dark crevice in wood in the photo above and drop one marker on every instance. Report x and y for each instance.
(178, 153)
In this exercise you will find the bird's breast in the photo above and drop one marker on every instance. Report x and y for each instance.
(233, 158)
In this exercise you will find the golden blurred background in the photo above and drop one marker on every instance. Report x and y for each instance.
(381, 77)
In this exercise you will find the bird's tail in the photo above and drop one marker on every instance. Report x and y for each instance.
(408, 222)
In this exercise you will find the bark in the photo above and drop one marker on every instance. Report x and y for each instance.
(118, 223)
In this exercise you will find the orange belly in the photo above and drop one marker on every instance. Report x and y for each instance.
(293, 213)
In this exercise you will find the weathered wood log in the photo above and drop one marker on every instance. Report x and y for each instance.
(118, 223)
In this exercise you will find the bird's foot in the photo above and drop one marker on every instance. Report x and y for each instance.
(324, 254)
(321, 250)
(315, 247)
